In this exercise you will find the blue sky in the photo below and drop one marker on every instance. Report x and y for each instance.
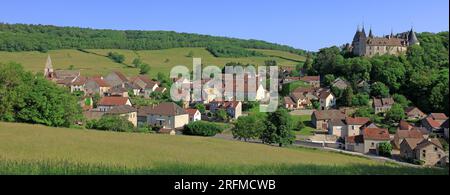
(299, 23)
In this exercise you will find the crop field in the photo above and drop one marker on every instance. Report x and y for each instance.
(36, 149)
(95, 62)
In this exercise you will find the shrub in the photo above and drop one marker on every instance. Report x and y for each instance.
(111, 123)
(202, 128)
(385, 149)
(116, 57)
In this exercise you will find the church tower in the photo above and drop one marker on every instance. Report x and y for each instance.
(48, 71)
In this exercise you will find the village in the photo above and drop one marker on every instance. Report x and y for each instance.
(415, 139)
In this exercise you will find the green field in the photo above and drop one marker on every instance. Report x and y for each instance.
(35, 149)
(95, 62)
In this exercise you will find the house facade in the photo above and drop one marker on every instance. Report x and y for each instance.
(348, 127)
(194, 114)
(414, 113)
(445, 127)
(107, 103)
(125, 111)
(372, 139)
(97, 85)
(167, 115)
(233, 108)
(382, 105)
(327, 100)
(320, 118)
(116, 80)
(427, 151)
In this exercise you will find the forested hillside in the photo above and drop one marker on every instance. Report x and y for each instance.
(22, 37)
(422, 75)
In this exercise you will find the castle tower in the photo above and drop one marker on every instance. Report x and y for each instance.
(412, 38)
(370, 33)
(48, 71)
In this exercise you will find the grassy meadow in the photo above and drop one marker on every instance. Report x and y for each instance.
(95, 62)
(36, 149)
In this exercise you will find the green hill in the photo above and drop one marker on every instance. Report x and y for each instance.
(94, 61)
(35, 149)
(23, 37)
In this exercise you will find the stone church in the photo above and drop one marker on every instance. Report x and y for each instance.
(370, 45)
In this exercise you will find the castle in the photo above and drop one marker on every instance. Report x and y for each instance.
(370, 45)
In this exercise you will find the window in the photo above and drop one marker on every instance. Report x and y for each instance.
(373, 144)
(439, 156)
(435, 149)
(424, 155)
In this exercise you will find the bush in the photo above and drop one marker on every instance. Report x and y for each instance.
(144, 69)
(202, 128)
(111, 123)
(119, 58)
(385, 149)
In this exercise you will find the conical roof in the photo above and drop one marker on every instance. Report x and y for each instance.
(370, 33)
(412, 38)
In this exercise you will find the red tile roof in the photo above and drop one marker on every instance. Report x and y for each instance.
(165, 109)
(409, 134)
(439, 116)
(100, 82)
(433, 123)
(356, 120)
(376, 134)
(113, 101)
(191, 112)
(405, 125)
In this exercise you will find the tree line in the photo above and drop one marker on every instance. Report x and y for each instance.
(23, 37)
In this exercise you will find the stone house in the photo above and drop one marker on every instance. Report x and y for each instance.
(167, 115)
(337, 127)
(107, 103)
(320, 118)
(340, 83)
(327, 100)
(116, 80)
(126, 111)
(354, 125)
(233, 108)
(145, 84)
(78, 84)
(434, 122)
(401, 135)
(96, 85)
(372, 139)
(428, 151)
(445, 127)
(348, 127)
(194, 114)
(355, 143)
(314, 81)
(382, 105)
(414, 113)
